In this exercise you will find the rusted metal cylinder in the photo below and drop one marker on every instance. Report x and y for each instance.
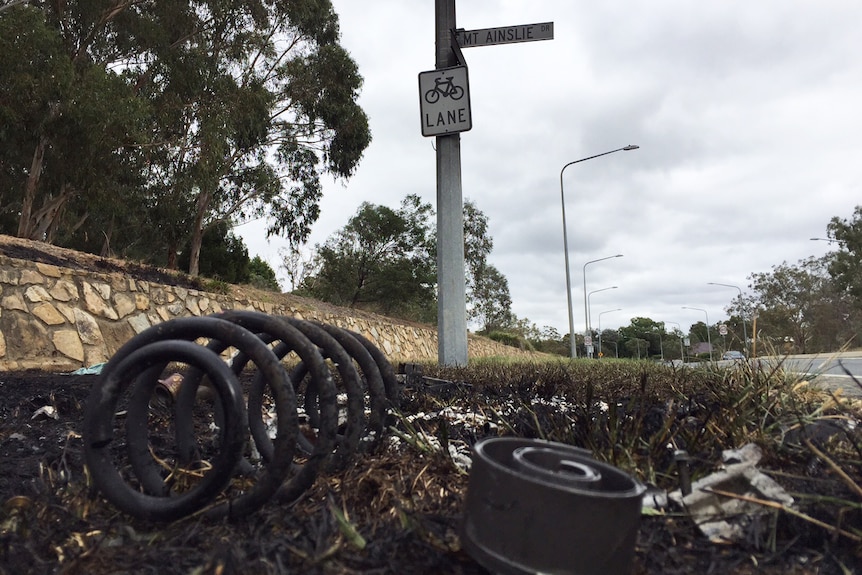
(543, 507)
(168, 389)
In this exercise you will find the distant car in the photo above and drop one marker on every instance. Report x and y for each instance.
(733, 355)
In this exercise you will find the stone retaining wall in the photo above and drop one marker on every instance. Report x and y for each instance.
(59, 319)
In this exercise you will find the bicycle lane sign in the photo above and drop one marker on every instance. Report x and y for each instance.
(444, 101)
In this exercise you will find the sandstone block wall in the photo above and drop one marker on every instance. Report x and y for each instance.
(59, 319)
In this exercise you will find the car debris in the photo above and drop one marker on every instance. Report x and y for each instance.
(724, 505)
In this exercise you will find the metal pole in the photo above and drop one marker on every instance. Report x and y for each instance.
(573, 349)
(590, 307)
(452, 299)
(566, 242)
(741, 309)
(708, 337)
(586, 303)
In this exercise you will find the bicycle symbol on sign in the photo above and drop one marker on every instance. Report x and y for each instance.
(444, 88)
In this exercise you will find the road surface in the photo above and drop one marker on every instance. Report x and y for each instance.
(832, 371)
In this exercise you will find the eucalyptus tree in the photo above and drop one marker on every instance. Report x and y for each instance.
(845, 264)
(207, 112)
(66, 118)
(800, 304)
(380, 261)
(256, 100)
(385, 260)
(490, 300)
(644, 330)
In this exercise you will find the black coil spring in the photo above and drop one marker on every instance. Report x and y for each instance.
(132, 477)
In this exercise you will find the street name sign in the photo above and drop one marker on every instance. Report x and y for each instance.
(505, 35)
(444, 101)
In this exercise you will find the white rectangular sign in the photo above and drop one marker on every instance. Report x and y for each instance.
(444, 101)
(506, 35)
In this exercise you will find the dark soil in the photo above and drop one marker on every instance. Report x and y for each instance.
(404, 503)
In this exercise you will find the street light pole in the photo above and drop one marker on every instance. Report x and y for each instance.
(741, 308)
(830, 240)
(590, 307)
(708, 337)
(586, 303)
(681, 348)
(566, 241)
(600, 326)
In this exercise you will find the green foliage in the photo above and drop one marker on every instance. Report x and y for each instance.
(510, 339)
(215, 286)
(845, 265)
(547, 340)
(801, 304)
(223, 256)
(148, 123)
(488, 298)
(491, 302)
(380, 261)
(67, 122)
(384, 260)
(262, 276)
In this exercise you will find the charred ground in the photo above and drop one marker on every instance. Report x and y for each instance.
(405, 502)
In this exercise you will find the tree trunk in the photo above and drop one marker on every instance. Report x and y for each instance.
(172, 255)
(45, 218)
(25, 226)
(106, 244)
(201, 207)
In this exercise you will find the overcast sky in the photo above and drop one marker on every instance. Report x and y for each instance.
(747, 115)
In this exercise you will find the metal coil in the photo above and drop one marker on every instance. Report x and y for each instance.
(243, 466)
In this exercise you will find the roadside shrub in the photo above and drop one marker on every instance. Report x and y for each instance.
(511, 339)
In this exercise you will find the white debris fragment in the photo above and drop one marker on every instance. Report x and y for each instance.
(724, 518)
(749, 453)
(46, 411)
(460, 454)
(655, 498)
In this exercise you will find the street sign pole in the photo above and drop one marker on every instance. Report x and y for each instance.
(451, 288)
(444, 103)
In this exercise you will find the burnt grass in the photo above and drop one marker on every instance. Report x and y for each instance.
(403, 503)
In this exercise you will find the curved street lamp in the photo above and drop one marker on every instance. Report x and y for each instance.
(586, 296)
(744, 332)
(681, 348)
(708, 338)
(566, 241)
(830, 240)
(590, 307)
(601, 313)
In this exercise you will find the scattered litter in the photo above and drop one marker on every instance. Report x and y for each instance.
(92, 370)
(46, 411)
(749, 453)
(735, 516)
(18, 436)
